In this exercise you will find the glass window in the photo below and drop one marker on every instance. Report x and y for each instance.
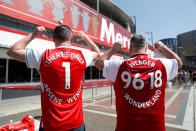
(19, 25)
(92, 72)
(36, 75)
(166, 42)
(88, 73)
(82, 43)
(101, 75)
(2, 70)
(95, 73)
(3, 23)
(18, 72)
(175, 42)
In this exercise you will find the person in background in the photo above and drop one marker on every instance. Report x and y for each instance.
(139, 84)
(61, 70)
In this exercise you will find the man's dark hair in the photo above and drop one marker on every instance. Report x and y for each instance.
(138, 41)
(62, 33)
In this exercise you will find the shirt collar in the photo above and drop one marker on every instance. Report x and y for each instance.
(139, 54)
(67, 46)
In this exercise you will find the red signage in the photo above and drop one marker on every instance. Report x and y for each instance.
(73, 13)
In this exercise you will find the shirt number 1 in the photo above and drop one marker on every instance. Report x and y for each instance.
(67, 74)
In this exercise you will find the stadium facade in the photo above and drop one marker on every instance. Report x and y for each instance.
(187, 51)
(102, 20)
(171, 43)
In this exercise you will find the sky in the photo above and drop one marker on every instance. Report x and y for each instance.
(164, 18)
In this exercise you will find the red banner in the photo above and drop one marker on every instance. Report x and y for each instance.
(73, 13)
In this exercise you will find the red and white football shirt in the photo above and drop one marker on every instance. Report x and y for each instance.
(139, 85)
(61, 71)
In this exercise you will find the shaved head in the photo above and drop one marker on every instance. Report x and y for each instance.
(138, 42)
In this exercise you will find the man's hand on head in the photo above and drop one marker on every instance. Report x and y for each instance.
(159, 45)
(17, 51)
(80, 35)
(118, 46)
(38, 31)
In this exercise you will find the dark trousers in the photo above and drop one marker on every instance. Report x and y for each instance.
(81, 128)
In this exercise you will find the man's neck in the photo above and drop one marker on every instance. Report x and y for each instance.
(66, 43)
(139, 51)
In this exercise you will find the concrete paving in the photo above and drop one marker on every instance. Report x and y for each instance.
(99, 110)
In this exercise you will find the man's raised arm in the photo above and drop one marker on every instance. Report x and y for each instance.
(93, 47)
(17, 51)
(168, 53)
(107, 55)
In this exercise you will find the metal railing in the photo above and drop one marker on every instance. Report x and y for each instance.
(93, 90)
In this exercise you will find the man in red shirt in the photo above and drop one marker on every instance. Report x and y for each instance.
(139, 84)
(61, 70)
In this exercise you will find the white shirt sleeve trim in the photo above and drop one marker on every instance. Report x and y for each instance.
(88, 57)
(111, 68)
(33, 58)
(26, 59)
(171, 67)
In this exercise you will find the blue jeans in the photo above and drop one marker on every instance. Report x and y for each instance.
(81, 128)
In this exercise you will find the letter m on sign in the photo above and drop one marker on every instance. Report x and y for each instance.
(107, 32)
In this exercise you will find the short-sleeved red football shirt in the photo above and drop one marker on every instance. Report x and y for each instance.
(61, 71)
(139, 85)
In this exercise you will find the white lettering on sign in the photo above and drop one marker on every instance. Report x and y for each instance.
(109, 34)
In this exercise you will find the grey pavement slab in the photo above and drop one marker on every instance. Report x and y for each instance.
(16, 109)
